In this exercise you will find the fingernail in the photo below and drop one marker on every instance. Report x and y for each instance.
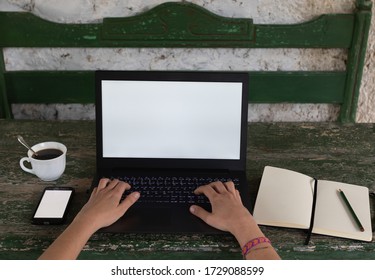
(137, 195)
(192, 209)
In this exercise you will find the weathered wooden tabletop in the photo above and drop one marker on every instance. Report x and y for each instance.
(340, 152)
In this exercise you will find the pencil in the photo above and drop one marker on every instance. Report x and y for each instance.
(357, 221)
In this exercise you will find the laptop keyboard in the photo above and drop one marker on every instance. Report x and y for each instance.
(171, 189)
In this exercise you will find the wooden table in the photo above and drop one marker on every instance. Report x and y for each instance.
(340, 152)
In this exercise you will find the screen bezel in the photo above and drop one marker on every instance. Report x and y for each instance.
(50, 220)
(111, 163)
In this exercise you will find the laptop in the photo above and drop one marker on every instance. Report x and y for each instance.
(166, 133)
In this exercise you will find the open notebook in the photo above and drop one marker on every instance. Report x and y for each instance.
(285, 199)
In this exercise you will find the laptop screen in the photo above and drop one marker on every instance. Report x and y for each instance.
(170, 118)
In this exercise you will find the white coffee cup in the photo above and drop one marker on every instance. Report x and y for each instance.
(46, 169)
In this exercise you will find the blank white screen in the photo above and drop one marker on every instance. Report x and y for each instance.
(53, 204)
(174, 120)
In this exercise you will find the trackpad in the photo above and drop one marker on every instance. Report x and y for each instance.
(152, 217)
(143, 220)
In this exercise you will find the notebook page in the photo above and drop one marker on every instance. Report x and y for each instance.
(332, 216)
(284, 199)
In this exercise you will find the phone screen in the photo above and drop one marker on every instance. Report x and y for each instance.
(53, 204)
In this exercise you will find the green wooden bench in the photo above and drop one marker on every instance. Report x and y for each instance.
(185, 25)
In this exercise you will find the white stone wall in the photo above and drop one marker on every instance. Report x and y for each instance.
(262, 11)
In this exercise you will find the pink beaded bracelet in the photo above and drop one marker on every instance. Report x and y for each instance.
(252, 243)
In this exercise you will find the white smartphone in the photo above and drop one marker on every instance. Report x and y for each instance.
(53, 206)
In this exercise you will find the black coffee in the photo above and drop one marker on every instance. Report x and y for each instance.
(47, 154)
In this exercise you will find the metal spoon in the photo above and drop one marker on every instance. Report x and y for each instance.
(23, 142)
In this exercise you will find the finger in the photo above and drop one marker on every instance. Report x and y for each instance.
(200, 212)
(238, 196)
(119, 188)
(230, 186)
(112, 184)
(129, 201)
(219, 186)
(122, 186)
(207, 190)
(103, 183)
